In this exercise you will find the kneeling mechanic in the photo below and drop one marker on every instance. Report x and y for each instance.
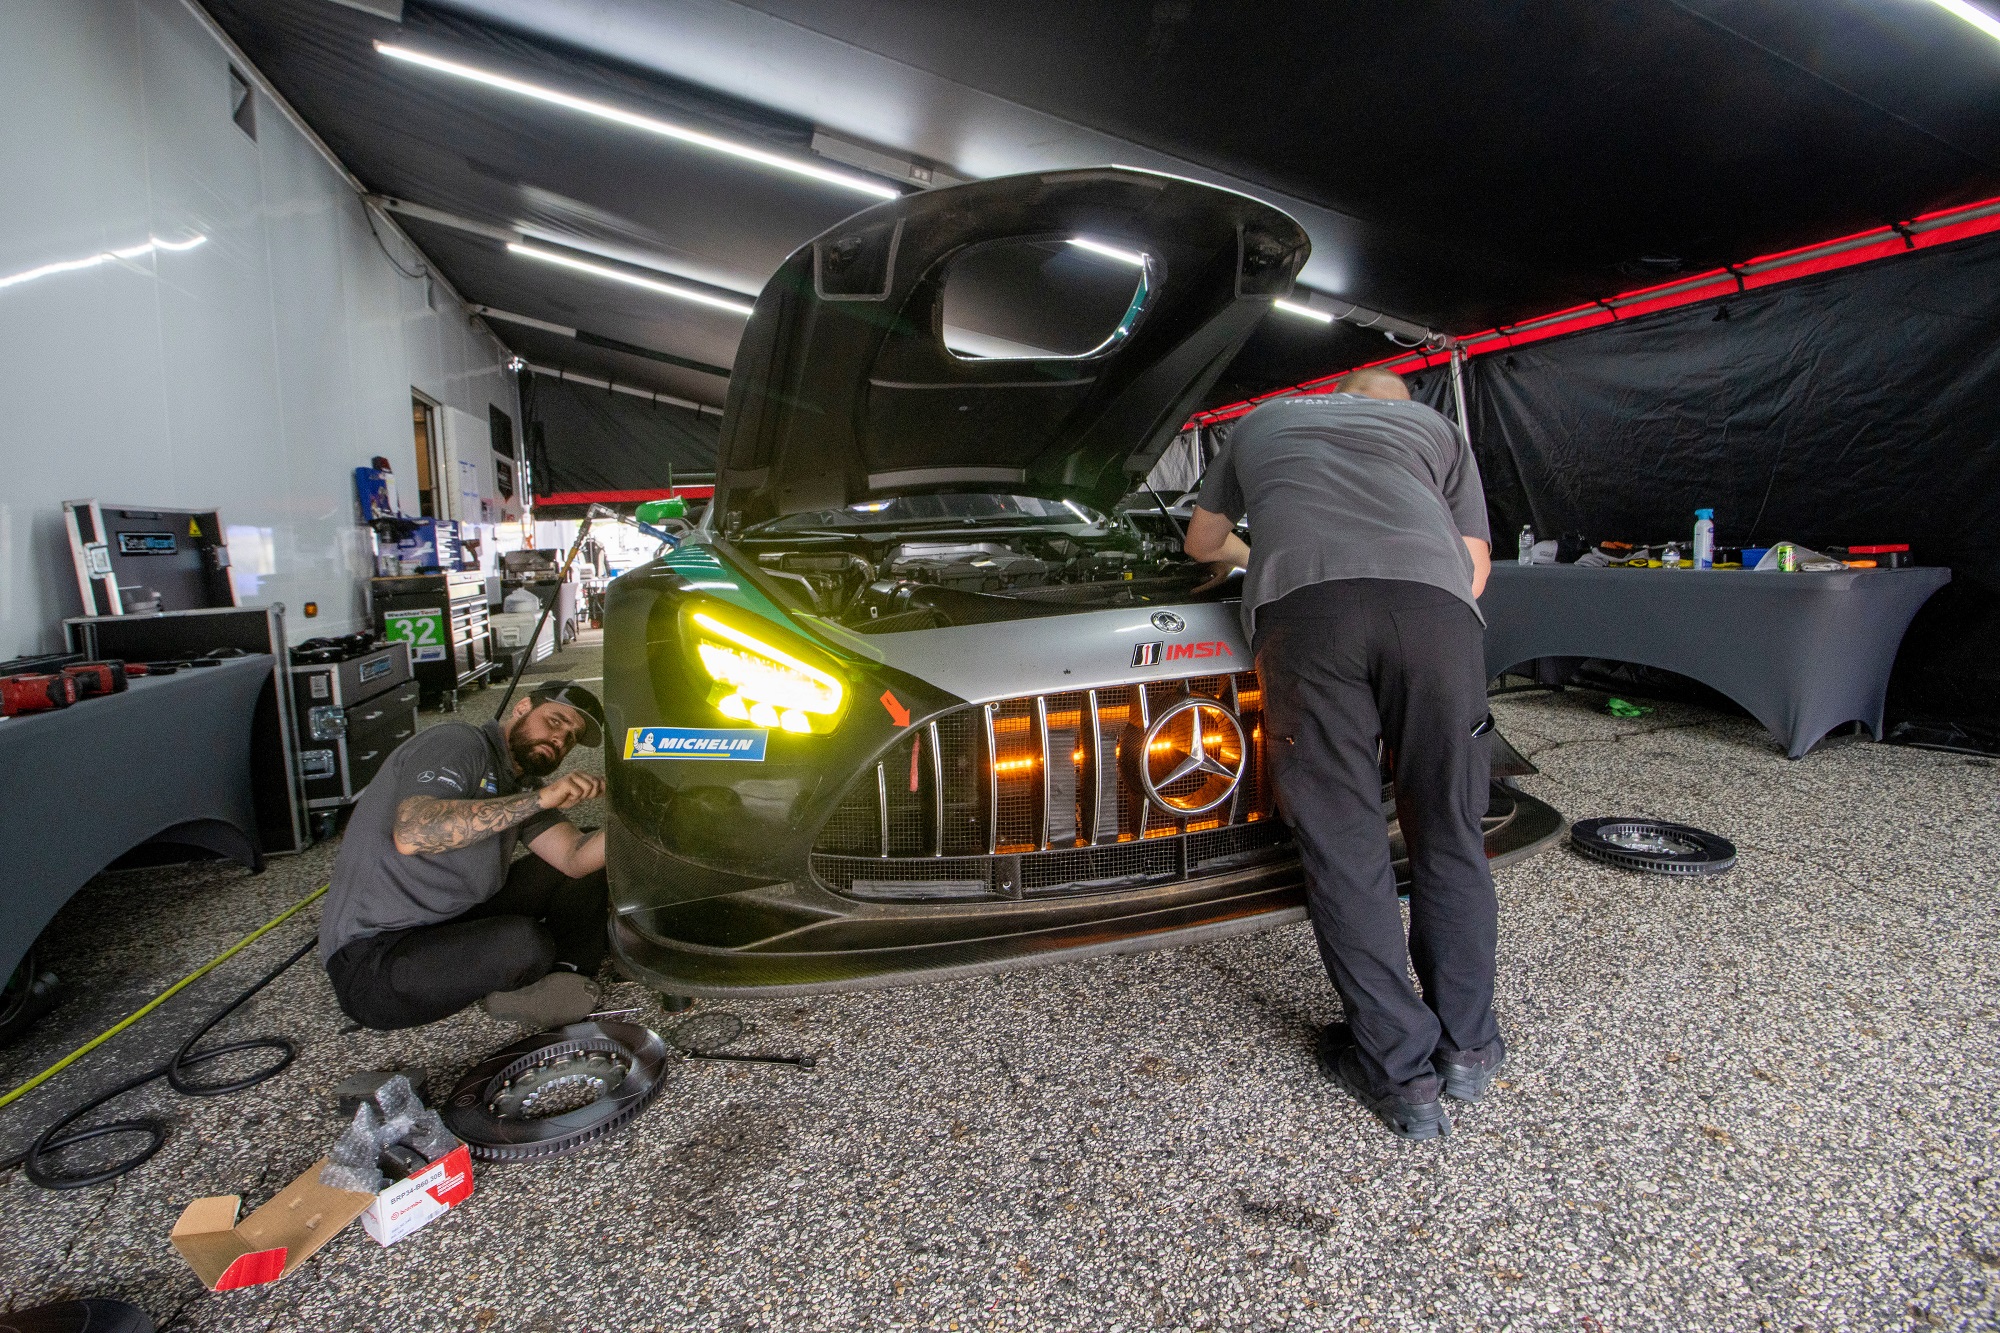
(429, 912)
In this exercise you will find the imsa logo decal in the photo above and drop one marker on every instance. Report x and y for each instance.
(739, 743)
(1152, 654)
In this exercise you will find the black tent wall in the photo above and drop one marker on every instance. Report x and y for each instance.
(586, 440)
(1851, 407)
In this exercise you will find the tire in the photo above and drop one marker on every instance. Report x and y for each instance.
(28, 994)
(492, 1108)
(1652, 846)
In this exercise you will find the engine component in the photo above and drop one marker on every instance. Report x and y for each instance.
(550, 1094)
(1653, 846)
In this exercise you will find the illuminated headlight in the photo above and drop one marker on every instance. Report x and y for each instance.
(762, 684)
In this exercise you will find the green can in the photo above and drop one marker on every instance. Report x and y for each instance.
(1788, 558)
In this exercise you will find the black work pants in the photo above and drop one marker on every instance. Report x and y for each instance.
(1344, 663)
(540, 917)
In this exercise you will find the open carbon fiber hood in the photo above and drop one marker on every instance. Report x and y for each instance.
(844, 389)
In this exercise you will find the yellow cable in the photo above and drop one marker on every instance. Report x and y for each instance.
(162, 997)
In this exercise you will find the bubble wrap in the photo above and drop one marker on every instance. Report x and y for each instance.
(430, 1137)
(398, 1099)
(351, 1164)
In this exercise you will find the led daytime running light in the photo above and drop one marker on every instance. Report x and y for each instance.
(767, 686)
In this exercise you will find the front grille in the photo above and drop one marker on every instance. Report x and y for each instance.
(1031, 796)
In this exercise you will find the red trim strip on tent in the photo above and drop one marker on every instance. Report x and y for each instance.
(624, 497)
(1940, 228)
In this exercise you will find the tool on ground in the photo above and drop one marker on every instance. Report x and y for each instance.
(1619, 708)
(58, 1136)
(703, 1037)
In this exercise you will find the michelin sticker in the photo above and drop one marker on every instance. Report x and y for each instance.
(738, 743)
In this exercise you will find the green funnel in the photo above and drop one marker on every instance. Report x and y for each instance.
(652, 511)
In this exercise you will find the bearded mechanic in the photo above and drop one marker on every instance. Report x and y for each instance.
(430, 912)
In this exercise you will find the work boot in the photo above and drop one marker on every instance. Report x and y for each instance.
(558, 999)
(1468, 1074)
(1413, 1113)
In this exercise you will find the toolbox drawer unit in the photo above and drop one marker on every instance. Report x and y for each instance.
(351, 716)
(443, 619)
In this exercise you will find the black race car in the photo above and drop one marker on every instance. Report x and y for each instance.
(921, 698)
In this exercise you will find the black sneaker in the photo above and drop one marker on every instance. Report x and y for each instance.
(1468, 1074)
(1340, 1060)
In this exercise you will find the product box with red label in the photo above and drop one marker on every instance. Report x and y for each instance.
(408, 1204)
(272, 1242)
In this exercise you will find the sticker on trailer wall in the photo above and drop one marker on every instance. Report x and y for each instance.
(741, 744)
(422, 629)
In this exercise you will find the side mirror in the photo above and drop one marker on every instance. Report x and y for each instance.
(652, 511)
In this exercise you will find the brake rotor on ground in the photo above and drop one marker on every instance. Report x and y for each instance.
(554, 1092)
(1653, 846)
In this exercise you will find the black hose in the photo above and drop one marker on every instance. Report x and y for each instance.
(58, 1136)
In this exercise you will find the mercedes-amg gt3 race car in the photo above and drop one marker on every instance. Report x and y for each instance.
(919, 698)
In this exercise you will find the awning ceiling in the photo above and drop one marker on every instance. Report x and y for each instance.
(1457, 166)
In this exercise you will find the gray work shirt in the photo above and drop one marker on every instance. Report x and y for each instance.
(1345, 487)
(377, 888)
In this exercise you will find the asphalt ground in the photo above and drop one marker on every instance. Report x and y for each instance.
(1759, 1101)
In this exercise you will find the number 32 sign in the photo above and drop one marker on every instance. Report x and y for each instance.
(422, 629)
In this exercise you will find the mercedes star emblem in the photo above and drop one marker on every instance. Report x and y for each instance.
(1190, 759)
(1166, 622)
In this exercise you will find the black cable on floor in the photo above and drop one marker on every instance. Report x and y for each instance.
(58, 1136)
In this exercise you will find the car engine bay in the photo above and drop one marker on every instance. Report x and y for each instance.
(899, 581)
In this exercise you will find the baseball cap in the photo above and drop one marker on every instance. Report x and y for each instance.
(577, 697)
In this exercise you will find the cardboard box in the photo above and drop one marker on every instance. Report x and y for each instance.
(408, 1204)
(272, 1242)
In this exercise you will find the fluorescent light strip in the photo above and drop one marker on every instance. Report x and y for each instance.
(1294, 308)
(1132, 257)
(633, 120)
(620, 275)
(1972, 14)
(72, 265)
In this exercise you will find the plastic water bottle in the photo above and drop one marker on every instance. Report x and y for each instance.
(1704, 539)
(1671, 557)
(1527, 547)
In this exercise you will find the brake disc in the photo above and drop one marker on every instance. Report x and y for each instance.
(554, 1092)
(1653, 846)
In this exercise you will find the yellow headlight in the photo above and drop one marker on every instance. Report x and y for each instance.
(761, 683)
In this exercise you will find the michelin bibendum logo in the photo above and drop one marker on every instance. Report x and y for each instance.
(738, 743)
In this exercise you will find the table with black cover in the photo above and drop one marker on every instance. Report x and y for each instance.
(1803, 653)
(166, 761)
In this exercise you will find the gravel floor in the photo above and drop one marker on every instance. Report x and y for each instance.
(1759, 1101)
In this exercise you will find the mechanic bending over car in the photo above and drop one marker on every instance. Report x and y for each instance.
(1371, 548)
(426, 915)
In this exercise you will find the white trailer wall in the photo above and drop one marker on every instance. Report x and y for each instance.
(251, 372)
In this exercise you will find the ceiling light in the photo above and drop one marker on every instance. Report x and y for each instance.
(1972, 14)
(621, 275)
(633, 120)
(1132, 257)
(1294, 308)
(72, 265)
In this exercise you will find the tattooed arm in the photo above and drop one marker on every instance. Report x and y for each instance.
(429, 824)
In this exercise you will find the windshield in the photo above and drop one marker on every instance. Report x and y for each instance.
(927, 510)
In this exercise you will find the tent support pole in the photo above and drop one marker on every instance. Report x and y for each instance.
(1458, 391)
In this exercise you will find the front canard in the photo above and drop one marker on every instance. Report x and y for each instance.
(741, 744)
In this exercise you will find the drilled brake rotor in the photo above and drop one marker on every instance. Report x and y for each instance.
(554, 1092)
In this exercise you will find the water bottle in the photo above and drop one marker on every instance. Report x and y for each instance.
(1527, 547)
(1671, 557)
(1704, 539)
